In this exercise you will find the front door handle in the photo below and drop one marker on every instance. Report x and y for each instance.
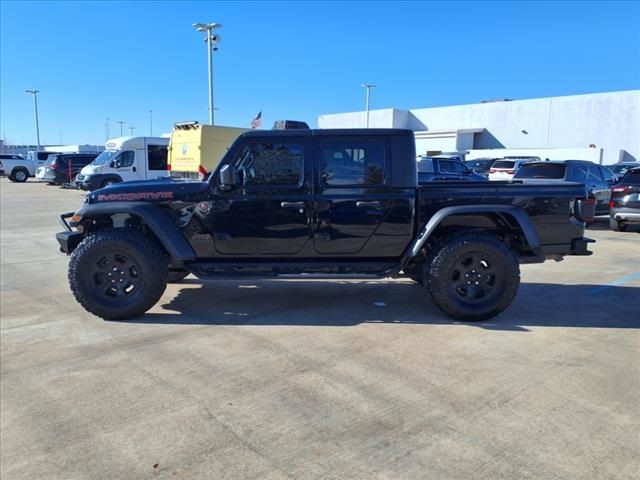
(374, 204)
(134, 169)
(292, 204)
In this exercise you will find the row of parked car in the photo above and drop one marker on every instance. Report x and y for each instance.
(51, 167)
(615, 188)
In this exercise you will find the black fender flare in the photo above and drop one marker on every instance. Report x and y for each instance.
(517, 213)
(155, 218)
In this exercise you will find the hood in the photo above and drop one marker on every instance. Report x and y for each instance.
(155, 191)
(91, 169)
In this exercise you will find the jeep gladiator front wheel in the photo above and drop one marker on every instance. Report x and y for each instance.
(118, 274)
(473, 276)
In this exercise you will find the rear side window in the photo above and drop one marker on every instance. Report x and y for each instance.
(503, 164)
(270, 164)
(578, 173)
(448, 166)
(425, 165)
(631, 178)
(157, 157)
(352, 162)
(541, 170)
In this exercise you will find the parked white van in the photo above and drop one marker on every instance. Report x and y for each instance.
(126, 159)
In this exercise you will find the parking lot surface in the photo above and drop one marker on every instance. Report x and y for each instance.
(313, 379)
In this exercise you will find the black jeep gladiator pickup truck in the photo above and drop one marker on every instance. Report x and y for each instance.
(324, 202)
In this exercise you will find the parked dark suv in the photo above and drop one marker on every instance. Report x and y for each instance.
(64, 167)
(597, 178)
(437, 169)
(624, 206)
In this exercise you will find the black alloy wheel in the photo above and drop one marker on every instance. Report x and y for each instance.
(472, 276)
(118, 274)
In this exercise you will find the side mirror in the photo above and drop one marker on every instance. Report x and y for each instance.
(227, 177)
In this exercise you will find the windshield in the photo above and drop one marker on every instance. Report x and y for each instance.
(620, 169)
(105, 157)
(542, 170)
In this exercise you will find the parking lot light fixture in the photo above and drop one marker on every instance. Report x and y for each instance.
(35, 106)
(210, 40)
(368, 86)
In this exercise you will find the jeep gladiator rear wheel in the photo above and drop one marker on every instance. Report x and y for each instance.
(118, 274)
(473, 276)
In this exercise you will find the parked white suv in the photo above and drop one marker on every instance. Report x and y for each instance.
(507, 167)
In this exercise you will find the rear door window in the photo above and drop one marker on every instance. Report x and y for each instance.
(352, 162)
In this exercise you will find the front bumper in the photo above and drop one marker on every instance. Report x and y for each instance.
(89, 182)
(68, 239)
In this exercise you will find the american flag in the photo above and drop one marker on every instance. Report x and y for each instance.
(257, 122)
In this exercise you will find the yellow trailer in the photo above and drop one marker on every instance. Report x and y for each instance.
(195, 150)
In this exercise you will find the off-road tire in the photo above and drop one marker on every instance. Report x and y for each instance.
(617, 226)
(176, 275)
(19, 175)
(140, 263)
(486, 260)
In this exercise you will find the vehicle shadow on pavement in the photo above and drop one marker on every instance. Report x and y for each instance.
(344, 304)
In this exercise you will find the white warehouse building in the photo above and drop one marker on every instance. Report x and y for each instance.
(601, 127)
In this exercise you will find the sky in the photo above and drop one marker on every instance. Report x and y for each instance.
(295, 60)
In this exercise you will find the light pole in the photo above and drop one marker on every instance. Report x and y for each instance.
(107, 128)
(368, 86)
(121, 122)
(151, 123)
(131, 129)
(211, 40)
(35, 106)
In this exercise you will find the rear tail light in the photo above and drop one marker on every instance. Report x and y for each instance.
(202, 172)
(168, 166)
(611, 204)
(492, 170)
(585, 209)
(54, 165)
(511, 172)
(620, 189)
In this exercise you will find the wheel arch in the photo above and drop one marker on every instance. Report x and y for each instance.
(153, 217)
(500, 217)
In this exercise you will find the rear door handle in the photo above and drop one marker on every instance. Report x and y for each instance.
(292, 204)
(374, 204)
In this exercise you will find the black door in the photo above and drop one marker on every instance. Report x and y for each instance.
(268, 212)
(352, 196)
